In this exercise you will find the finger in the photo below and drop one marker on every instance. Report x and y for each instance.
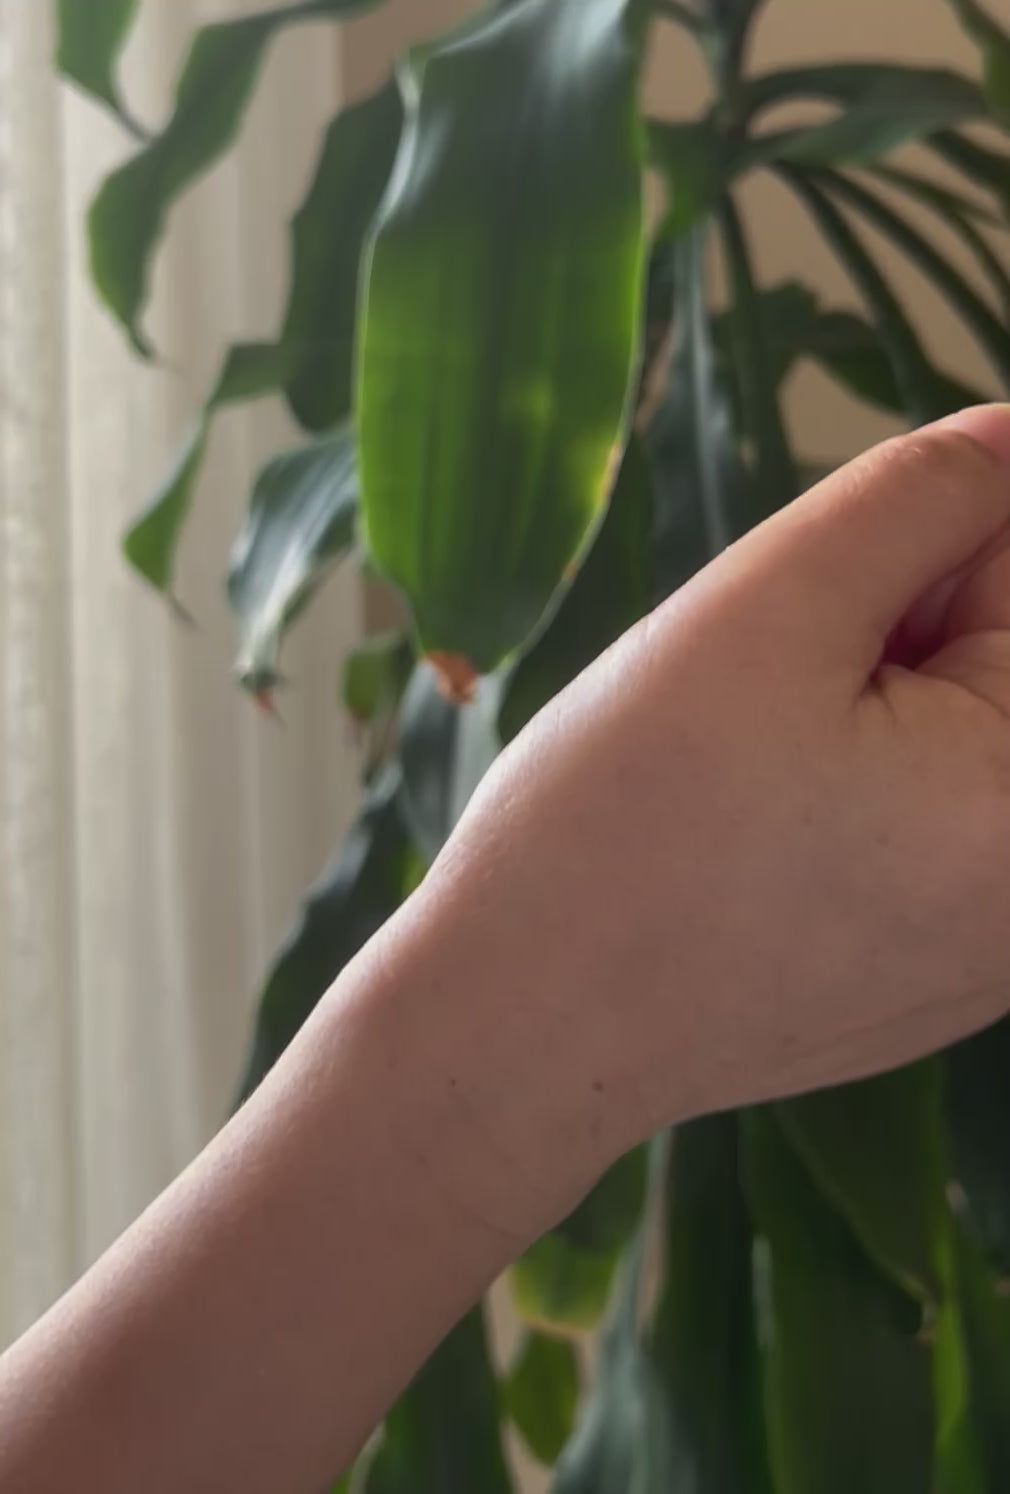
(975, 651)
(850, 559)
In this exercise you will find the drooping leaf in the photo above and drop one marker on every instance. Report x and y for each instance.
(500, 321)
(848, 1381)
(444, 750)
(994, 44)
(363, 886)
(702, 1347)
(301, 519)
(443, 1436)
(922, 399)
(328, 235)
(890, 111)
(128, 215)
(250, 370)
(375, 675)
(775, 478)
(985, 167)
(978, 1110)
(985, 1307)
(91, 37)
(559, 1285)
(541, 1393)
(992, 337)
(610, 592)
(959, 214)
(885, 86)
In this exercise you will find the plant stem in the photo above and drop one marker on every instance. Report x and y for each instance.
(675, 11)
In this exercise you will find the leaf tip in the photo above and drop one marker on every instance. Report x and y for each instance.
(456, 676)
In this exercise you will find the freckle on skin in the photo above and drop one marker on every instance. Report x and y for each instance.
(598, 1086)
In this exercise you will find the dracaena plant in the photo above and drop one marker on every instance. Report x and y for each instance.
(523, 406)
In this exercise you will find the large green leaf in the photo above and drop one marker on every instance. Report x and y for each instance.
(610, 592)
(611, 1212)
(442, 1436)
(444, 750)
(501, 319)
(853, 353)
(362, 887)
(994, 44)
(541, 1393)
(913, 372)
(128, 215)
(775, 478)
(328, 233)
(892, 110)
(301, 519)
(875, 1149)
(91, 37)
(250, 370)
(848, 1381)
(978, 1106)
(610, 1451)
(986, 1314)
(702, 1348)
(993, 338)
(375, 674)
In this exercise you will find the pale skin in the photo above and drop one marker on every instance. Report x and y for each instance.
(762, 845)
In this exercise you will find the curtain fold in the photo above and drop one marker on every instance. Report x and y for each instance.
(155, 832)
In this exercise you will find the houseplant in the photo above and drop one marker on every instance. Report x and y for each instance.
(523, 405)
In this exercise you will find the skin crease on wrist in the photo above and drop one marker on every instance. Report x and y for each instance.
(762, 845)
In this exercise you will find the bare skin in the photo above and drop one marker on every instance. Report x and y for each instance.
(762, 845)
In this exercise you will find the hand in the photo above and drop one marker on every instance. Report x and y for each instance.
(763, 844)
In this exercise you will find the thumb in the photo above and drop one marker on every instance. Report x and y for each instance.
(850, 559)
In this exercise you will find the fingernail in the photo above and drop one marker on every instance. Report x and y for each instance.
(989, 425)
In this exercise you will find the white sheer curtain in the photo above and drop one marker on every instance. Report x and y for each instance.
(154, 832)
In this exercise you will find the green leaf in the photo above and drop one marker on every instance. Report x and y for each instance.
(541, 1394)
(363, 886)
(987, 168)
(609, 1215)
(301, 520)
(852, 352)
(848, 1383)
(91, 37)
(610, 592)
(875, 1150)
(250, 370)
(442, 1436)
(993, 338)
(986, 1314)
(444, 750)
(891, 111)
(127, 217)
(702, 1347)
(610, 1451)
(375, 675)
(328, 235)
(913, 372)
(695, 164)
(560, 1285)
(501, 319)
(922, 91)
(994, 44)
(978, 1113)
(957, 213)
(775, 478)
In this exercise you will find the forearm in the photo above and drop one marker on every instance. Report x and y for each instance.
(252, 1327)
